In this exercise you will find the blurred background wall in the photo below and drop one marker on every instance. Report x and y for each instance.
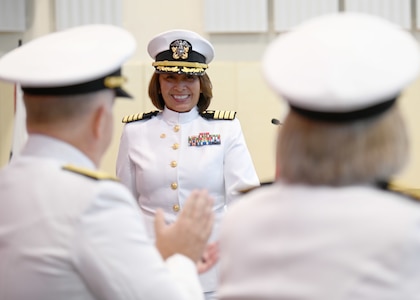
(239, 30)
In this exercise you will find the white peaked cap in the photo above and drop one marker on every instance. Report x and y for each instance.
(180, 51)
(70, 57)
(341, 63)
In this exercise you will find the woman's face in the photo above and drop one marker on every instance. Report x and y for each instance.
(180, 92)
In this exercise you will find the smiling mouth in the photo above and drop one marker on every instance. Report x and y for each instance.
(180, 97)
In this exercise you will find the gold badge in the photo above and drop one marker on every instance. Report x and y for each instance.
(113, 82)
(180, 49)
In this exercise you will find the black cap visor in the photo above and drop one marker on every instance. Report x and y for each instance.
(112, 81)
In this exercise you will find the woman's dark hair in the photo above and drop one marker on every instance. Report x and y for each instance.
(203, 102)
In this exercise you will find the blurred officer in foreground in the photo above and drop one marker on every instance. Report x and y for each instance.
(68, 231)
(328, 228)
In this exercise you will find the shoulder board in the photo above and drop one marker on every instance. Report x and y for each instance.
(218, 114)
(250, 189)
(90, 173)
(140, 116)
(413, 193)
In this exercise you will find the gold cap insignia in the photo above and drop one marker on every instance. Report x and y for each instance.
(113, 82)
(180, 49)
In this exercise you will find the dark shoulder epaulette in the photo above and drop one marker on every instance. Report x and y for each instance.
(218, 114)
(140, 116)
(90, 173)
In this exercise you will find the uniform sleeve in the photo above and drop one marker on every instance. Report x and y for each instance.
(117, 260)
(125, 168)
(239, 168)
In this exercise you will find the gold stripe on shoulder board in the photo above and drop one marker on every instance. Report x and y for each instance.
(408, 191)
(131, 118)
(224, 115)
(219, 114)
(90, 173)
(139, 116)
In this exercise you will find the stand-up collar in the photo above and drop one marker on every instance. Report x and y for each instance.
(172, 117)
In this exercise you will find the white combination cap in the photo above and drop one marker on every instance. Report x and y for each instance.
(74, 61)
(350, 65)
(180, 51)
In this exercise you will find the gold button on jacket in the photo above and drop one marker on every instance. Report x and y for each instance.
(174, 185)
(175, 208)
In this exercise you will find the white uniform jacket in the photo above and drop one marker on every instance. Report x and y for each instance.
(162, 159)
(66, 235)
(321, 243)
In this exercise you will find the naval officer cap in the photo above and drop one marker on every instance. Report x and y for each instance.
(342, 66)
(180, 51)
(78, 60)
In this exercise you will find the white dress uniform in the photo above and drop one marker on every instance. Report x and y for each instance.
(321, 243)
(163, 158)
(67, 234)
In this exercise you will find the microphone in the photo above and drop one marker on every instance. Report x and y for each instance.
(275, 121)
